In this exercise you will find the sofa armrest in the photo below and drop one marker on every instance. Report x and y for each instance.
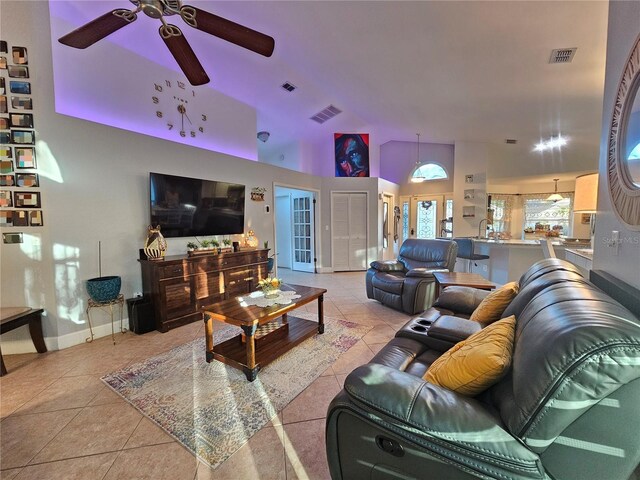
(387, 266)
(461, 299)
(453, 329)
(457, 427)
(424, 272)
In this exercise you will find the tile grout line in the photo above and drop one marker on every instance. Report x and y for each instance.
(52, 439)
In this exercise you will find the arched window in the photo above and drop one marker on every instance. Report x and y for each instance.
(428, 171)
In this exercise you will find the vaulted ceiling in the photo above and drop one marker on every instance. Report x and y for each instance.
(453, 71)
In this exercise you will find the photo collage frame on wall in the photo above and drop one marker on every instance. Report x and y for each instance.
(20, 198)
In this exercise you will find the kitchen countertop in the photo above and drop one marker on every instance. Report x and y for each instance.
(556, 242)
(518, 242)
(582, 252)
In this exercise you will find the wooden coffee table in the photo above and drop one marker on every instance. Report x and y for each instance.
(257, 346)
(449, 279)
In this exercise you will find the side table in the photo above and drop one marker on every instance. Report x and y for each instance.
(449, 279)
(14, 317)
(107, 307)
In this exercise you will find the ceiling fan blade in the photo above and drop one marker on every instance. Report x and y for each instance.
(99, 28)
(182, 52)
(228, 30)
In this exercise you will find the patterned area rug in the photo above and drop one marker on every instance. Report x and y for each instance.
(211, 408)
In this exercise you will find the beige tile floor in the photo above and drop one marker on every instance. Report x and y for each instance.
(58, 420)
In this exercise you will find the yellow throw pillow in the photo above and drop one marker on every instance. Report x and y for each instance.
(476, 363)
(491, 307)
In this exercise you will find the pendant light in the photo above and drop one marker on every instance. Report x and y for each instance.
(555, 196)
(416, 177)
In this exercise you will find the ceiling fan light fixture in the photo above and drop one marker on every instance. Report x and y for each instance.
(232, 32)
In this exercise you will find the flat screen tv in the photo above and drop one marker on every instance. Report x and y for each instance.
(190, 207)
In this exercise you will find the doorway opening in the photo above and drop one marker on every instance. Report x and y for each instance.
(295, 233)
(425, 216)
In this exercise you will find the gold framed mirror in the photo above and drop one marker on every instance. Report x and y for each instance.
(623, 160)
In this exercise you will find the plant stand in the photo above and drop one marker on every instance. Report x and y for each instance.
(107, 307)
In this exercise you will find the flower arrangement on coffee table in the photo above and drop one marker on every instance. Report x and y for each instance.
(270, 286)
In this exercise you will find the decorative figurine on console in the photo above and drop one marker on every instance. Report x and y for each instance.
(155, 246)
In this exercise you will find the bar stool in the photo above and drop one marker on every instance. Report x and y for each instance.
(466, 247)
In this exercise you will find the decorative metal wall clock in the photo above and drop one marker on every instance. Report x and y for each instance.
(176, 106)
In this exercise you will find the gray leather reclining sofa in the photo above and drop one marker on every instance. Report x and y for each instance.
(569, 407)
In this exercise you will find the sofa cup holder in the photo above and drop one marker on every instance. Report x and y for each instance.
(424, 322)
(419, 328)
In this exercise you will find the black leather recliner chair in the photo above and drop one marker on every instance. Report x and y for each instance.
(407, 284)
(567, 409)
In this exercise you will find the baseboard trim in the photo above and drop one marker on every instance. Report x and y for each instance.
(325, 270)
(77, 338)
(25, 345)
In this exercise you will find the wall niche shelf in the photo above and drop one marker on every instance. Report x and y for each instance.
(468, 212)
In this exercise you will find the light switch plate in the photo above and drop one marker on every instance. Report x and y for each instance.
(12, 237)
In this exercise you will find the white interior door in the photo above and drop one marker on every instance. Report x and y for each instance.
(349, 231)
(303, 227)
(340, 231)
(357, 231)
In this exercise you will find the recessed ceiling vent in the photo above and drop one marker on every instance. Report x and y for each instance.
(562, 55)
(326, 114)
(510, 141)
(289, 87)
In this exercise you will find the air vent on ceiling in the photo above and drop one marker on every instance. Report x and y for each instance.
(289, 87)
(562, 55)
(326, 114)
(511, 141)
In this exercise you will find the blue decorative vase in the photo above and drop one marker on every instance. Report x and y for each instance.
(104, 289)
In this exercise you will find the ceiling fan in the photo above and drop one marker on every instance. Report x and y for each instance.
(177, 44)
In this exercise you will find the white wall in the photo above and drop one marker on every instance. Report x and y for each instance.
(624, 27)
(230, 125)
(290, 156)
(398, 159)
(470, 159)
(514, 161)
(316, 158)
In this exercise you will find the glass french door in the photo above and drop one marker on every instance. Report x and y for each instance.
(422, 216)
(303, 251)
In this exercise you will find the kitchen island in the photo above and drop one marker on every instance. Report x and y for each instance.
(509, 259)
